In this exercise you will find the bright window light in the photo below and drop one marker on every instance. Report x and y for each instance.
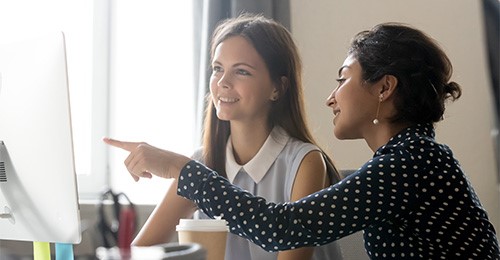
(149, 54)
(26, 19)
(152, 97)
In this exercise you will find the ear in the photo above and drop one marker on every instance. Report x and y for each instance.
(280, 88)
(388, 85)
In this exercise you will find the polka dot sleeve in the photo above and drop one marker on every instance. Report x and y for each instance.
(411, 200)
(318, 219)
(276, 221)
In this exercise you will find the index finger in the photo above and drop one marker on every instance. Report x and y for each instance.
(128, 146)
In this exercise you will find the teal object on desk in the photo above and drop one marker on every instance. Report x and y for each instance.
(64, 251)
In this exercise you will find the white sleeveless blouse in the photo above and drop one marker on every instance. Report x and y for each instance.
(270, 174)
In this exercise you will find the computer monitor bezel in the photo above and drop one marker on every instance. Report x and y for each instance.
(39, 196)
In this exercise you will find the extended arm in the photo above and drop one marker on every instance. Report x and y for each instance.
(269, 225)
(320, 218)
(366, 197)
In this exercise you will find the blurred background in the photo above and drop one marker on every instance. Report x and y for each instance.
(137, 71)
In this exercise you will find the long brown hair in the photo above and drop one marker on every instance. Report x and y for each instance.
(275, 45)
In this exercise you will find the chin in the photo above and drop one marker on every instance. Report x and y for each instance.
(341, 135)
(337, 133)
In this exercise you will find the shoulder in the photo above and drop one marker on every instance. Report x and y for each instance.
(311, 175)
(422, 150)
(198, 154)
(297, 149)
(302, 156)
(313, 161)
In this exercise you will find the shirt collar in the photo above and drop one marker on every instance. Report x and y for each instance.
(424, 130)
(258, 166)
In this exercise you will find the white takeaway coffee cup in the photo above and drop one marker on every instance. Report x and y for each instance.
(211, 234)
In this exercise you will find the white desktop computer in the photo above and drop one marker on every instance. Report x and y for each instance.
(38, 189)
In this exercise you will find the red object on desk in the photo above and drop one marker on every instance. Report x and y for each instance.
(126, 228)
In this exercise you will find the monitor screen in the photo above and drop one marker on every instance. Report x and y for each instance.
(38, 189)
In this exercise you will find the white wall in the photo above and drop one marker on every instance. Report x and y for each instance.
(323, 29)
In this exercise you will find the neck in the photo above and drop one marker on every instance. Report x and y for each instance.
(381, 134)
(247, 139)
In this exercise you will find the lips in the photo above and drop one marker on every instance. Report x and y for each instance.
(228, 99)
(336, 112)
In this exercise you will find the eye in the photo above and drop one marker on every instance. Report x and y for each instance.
(340, 81)
(216, 69)
(242, 72)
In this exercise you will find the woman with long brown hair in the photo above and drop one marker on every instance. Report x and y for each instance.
(255, 133)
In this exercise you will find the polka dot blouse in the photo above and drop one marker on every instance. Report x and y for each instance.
(412, 200)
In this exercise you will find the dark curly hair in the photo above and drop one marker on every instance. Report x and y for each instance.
(422, 68)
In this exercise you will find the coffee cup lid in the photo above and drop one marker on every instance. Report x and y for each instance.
(202, 225)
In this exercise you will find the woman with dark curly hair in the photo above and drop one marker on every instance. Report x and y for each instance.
(412, 199)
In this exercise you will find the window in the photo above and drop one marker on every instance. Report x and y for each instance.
(130, 68)
(152, 94)
(25, 19)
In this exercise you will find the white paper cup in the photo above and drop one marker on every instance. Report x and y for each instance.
(211, 234)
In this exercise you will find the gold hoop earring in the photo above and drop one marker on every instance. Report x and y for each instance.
(380, 97)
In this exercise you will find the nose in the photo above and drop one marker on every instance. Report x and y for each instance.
(224, 81)
(330, 101)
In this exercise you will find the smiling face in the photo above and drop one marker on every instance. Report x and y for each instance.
(354, 102)
(240, 84)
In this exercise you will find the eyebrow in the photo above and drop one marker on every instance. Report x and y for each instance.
(244, 64)
(237, 64)
(343, 67)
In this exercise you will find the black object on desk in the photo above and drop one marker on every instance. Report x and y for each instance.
(117, 228)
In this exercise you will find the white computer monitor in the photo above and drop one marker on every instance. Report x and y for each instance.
(38, 189)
